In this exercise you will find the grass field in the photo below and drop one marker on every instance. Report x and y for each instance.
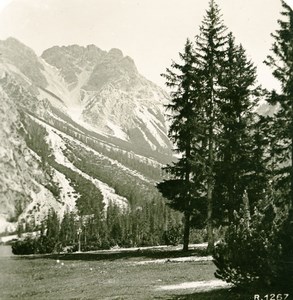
(108, 275)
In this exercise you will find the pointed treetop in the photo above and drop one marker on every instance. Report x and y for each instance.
(212, 23)
(281, 57)
(213, 13)
(286, 6)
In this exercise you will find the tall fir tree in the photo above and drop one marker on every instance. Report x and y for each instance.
(195, 126)
(260, 252)
(237, 156)
(68, 229)
(210, 50)
(183, 188)
(281, 61)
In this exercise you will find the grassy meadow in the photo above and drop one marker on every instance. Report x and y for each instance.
(108, 275)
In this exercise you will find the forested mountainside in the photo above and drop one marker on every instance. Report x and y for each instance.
(81, 128)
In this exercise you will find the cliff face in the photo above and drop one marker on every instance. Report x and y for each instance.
(77, 122)
(21, 178)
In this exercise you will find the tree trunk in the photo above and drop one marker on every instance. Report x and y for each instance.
(187, 212)
(210, 230)
(292, 159)
(186, 230)
(246, 209)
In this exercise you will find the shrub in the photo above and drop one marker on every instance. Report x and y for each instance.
(34, 245)
(285, 239)
(24, 247)
(173, 235)
(257, 252)
(198, 236)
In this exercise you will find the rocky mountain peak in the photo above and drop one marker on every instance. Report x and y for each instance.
(128, 64)
(115, 53)
(115, 57)
(72, 60)
(15, 53)
(13, 42)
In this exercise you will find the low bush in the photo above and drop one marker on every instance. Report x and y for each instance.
(257, 253)
(26, 246)
(173, 236)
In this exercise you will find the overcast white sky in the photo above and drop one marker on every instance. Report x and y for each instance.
(152, 32)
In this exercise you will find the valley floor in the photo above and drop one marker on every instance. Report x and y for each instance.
(141, 274)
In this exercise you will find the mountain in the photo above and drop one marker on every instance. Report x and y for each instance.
(81, 128)
(105, 91)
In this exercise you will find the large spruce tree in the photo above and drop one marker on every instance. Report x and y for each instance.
(212, 126)
(183, 187)
(210, 50)
(260, 252)
(281, 61)
(195, 123)
(238, 162)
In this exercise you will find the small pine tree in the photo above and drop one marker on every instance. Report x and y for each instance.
(249, 253)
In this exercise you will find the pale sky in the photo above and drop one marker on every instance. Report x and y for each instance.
(152, 32)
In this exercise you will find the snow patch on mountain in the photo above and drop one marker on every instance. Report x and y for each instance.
(56, 82)
(75, 93)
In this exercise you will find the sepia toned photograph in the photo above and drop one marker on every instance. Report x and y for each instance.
(146, 149)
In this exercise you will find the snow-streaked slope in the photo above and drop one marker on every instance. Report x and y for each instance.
(58, 146)
(23, 192)
(42, 201)
(154, 126)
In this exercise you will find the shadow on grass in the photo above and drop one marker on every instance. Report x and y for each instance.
(114, 255)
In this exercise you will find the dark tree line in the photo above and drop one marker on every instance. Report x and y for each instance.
(147, 225)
